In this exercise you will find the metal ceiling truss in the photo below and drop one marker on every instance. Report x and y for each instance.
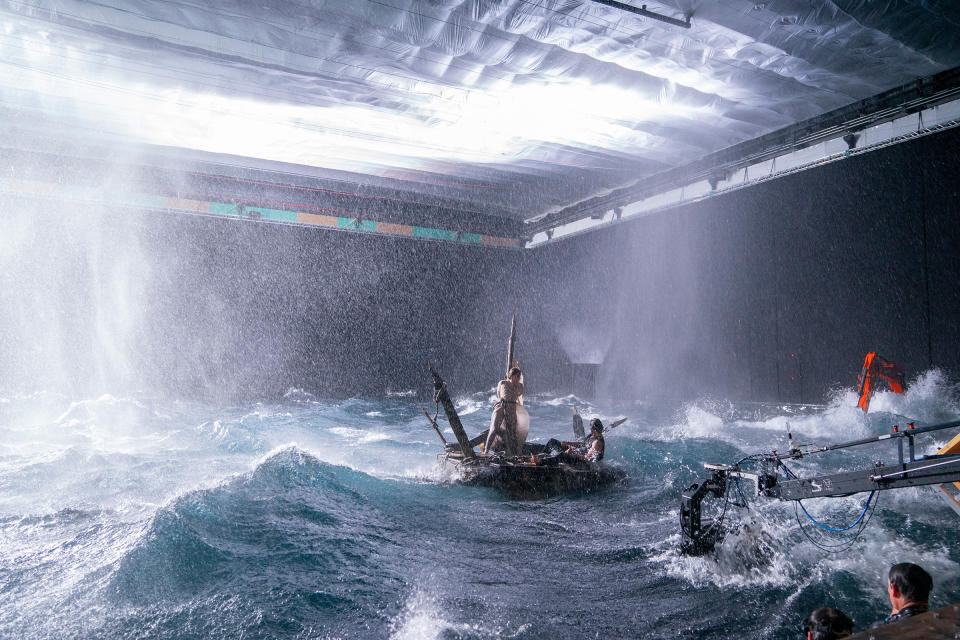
(642, 11)
(845, 122)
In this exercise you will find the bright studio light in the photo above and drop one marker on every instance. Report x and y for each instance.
(521, 117)
(133, 101)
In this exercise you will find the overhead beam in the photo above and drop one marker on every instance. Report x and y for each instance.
(912, 97)
(642, 11)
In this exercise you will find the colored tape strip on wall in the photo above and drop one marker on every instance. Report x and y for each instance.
(239, 209)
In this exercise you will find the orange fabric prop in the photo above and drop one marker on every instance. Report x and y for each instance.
(876, 368)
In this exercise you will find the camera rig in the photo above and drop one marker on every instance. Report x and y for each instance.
(943, 468)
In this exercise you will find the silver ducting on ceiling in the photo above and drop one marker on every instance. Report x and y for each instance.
(539, 111)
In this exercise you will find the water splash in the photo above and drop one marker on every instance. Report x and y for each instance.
(325, 519)
(584, 345)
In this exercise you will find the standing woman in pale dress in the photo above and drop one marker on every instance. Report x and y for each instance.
(503, 434)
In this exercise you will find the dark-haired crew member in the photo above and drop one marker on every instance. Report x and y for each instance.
(503, 433)
(592, 449)
(909, 587)
(827, 623)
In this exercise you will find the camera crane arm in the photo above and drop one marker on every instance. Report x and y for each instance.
(908, 472)
(941, 468)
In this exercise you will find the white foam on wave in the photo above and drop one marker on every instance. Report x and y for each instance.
(839, 420)
(767, 547)
(359, 436)
(750, 556)
(262, 413)
(929, 505)
(82, 409)
(465, 406)
(422, 618)
(708, 421)
(561, 401)
(700, 423)
(424, 472)
(930, 398)
(296, 394)
(693, 421)
(381, 450)
(215, 429)
(879, 549)
(417, 468)
(107, 423)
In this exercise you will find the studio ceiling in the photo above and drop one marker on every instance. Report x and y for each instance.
(515, 108)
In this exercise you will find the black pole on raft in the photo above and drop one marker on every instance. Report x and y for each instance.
(513, 340)
(440, 391)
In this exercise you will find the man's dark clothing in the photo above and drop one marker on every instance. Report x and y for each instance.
(906, 612)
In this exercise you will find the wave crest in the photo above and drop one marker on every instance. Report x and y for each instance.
(291, 512)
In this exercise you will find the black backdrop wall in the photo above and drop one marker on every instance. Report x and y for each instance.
(100, 300)
(772, 292)
(776, 291)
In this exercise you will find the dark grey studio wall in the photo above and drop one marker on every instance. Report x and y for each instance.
(667, 300)
(941, 195)
(335, 313)
(712, 298)
(772, 292)
(95, 301)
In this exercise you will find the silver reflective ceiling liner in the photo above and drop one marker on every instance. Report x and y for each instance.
(516, 107)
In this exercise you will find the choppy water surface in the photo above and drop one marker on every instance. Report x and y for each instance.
(127, 517)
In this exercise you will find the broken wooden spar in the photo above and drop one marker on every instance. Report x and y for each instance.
(433, 423)
(441, 394)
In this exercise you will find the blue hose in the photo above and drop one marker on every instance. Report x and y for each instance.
(823, 526)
